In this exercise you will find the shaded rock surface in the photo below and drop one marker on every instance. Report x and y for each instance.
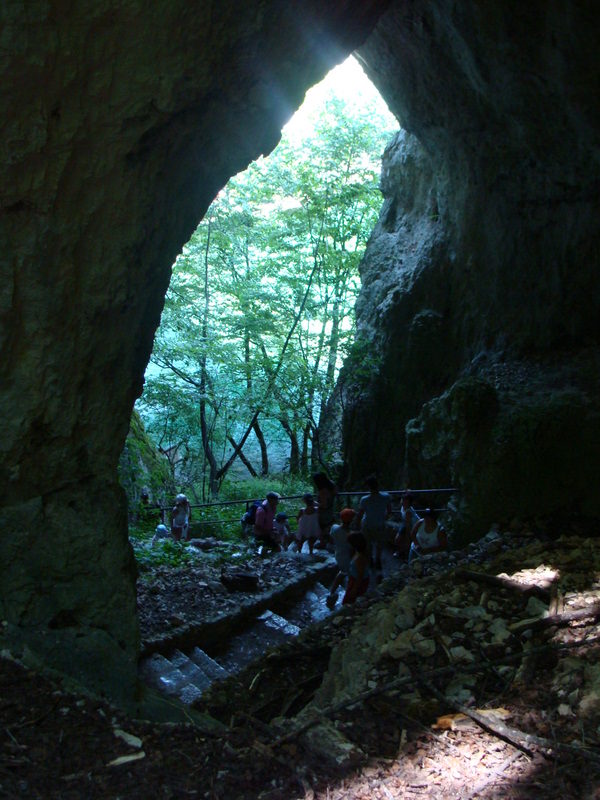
(121, 123)
(480, 302)
(143, 469)
(123, 120)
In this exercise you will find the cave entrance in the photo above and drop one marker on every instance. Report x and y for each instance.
(259, 316)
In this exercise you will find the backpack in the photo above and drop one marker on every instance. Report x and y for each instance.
(249, 517)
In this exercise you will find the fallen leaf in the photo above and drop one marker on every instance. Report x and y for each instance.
(454, 721)
(126, 759)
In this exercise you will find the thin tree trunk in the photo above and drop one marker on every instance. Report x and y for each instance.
(304, 451)
(333, 344)
(264, 453)
(294, 450)
(206, 439)
(273, 379)
(243, 458)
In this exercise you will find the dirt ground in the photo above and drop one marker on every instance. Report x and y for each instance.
(55, 744)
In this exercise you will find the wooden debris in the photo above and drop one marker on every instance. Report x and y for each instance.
(390, 686)
(559, 620)
(527, 742)
(128, 738)
(504, 582)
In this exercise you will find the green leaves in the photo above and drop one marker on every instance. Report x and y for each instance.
(272, 269)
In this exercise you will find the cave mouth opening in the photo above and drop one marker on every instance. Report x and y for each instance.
(259, 316)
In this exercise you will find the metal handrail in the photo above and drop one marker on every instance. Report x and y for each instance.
(350, 493)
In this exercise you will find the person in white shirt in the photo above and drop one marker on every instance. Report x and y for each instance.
(428, 536)
(180, 518)
(309, 529)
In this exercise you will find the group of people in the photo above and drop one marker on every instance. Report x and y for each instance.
(314, 519)
(358, 540)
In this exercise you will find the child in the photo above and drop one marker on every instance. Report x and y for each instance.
(281, 528)
(409, 520)
(343, 552)
(180, 518)
(161, 532)
(358, 580)
(309, 529)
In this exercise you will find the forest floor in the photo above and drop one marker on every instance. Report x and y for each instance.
(542, 741)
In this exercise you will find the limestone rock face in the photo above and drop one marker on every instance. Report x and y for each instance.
(480, 303)
(121, 121)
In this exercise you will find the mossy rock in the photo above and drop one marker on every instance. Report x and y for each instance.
(143, 468)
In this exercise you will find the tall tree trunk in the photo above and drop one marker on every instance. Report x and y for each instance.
(273, 378)
(294, 449)
(332, 347)
(304, 453)
(213, 482)
(264, 453)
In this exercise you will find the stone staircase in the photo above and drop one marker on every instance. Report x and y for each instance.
(185, 676)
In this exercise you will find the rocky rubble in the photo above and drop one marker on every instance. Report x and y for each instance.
(518, 627)
(475, 640)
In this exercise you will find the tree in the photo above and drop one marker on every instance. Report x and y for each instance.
(259, 314)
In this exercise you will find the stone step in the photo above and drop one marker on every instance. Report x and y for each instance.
(278, 623)
(180, 676)
(190, 670)
(208, 665)
(159, 672)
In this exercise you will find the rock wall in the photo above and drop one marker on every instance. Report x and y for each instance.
(121, 121)
(144, 470)
(479, 312)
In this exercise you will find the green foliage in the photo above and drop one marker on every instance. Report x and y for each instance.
(259, 315)
(165, 552)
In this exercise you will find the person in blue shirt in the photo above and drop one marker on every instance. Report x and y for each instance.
(374, 510)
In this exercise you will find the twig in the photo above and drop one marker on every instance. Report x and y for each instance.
(35, 720)
(398, 682)
(526, 742)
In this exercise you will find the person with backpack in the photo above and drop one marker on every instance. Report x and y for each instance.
(249, 517)
(374, 510)
(326, 493)
(264, 528)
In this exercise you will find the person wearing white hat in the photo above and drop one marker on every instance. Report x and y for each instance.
(180, 518)
(161, 532)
